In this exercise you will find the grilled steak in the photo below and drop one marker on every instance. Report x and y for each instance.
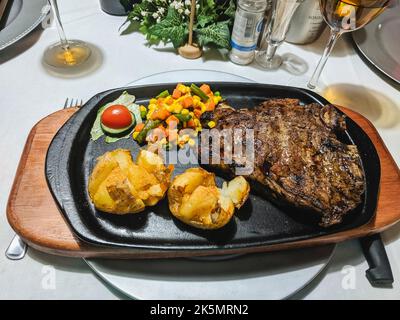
(297, 155)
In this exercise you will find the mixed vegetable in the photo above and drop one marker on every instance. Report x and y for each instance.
(168, 113)
(162, 120)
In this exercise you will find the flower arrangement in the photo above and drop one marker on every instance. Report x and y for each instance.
(167, 21)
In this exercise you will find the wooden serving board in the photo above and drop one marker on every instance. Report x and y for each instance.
(33, 214)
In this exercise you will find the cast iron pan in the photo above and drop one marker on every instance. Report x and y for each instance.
(71, 158)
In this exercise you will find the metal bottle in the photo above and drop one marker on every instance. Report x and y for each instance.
(246, 28)
(307, 23)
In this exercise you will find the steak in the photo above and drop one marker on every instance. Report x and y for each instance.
(298, 158)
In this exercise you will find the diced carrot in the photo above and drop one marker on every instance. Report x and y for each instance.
(160, 114)
(176, 94)
(169, 100)
(139, 127)
(197, 113)
(210, 105)
(205, 88)
(187, 102)
(172, 121)
(190, 123)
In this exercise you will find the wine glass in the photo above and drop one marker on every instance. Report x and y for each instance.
(282, 14)
(65, 53)
(345, 16)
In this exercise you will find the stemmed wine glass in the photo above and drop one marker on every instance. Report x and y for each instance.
(345, 16)
(282, 14)
(65, 53)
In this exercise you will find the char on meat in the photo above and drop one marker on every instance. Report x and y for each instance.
(298, 158)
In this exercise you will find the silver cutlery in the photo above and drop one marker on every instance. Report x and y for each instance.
(17, 248)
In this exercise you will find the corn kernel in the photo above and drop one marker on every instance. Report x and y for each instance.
(142, 108)
(203, 108)
(196, 101)
(191, 142)
(153, 101)
(135, 134)
(196, 122)
(191, 114)
(216, 99)
(185, 111)
(152, 106)
(170, 108)
(177, 108)
(211, 124)
(182, 88)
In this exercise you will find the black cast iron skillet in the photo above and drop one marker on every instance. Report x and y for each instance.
(71, 158)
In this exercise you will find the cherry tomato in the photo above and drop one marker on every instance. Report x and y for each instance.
(116, 117)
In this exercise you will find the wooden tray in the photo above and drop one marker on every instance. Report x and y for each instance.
(33, 214)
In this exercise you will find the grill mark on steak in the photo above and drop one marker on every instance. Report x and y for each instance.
(298, 157)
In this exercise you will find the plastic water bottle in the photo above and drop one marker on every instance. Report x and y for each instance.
(246, 28)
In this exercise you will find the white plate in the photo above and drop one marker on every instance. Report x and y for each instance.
(275, 275)
(25, 15)
(379, 42)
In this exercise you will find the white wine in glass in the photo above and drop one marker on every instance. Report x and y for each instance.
(345, 16)
(65, 53)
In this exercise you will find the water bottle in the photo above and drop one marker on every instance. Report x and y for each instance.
(248, 22)
(307, 23)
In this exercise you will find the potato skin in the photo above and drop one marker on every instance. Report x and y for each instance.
(194, 199)
(117, 185)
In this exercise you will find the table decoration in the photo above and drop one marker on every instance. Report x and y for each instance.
(168, 21)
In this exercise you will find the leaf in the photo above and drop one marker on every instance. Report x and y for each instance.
(230, 10)
(132, 27)
(210, 4)
(217, 34)
(96, 132)
(203, 20)
(171, 28)
(134, 108)
(109, 139)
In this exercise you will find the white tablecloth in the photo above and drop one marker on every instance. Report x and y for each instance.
(28, 94)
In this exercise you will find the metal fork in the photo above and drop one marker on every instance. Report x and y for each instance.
(73, 103)
(17, 248)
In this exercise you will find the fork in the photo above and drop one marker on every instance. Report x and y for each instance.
(74, 103)
(17, 247)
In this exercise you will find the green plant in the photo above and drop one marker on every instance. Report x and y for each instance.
(167, 21)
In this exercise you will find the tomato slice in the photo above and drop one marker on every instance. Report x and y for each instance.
(116, 117)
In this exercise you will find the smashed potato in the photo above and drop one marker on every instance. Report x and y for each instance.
(194, 198)
(118, 185)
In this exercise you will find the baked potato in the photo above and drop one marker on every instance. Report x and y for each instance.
(118, 185)
(194, 198)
